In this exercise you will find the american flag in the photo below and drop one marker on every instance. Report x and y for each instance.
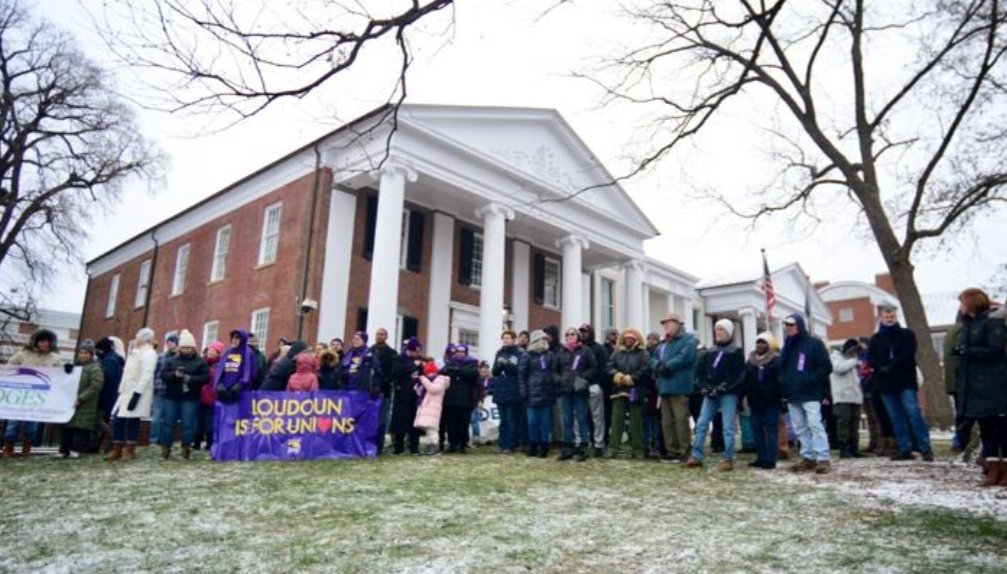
(767, 286)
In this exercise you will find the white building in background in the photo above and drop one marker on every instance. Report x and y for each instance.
(14, 334)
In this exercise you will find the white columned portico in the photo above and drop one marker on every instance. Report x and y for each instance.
(748, 329)
(520, 285)
(634, 295)
(383, 296)
(573, 284)
(439, 304)
(491, 292)
(687, 313)
(338, 255)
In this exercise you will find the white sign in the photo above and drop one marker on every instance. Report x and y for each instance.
(40, 394)
(489, 421)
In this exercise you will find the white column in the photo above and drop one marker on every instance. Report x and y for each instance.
(634, 295)
(520, 285)
(748, 329)
(439, 303)
(336, 269)
(383, 297)
(573, 286)
(585, 289)
(491, 292)
(687, 315)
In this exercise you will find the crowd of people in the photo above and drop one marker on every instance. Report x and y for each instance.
(663, 392)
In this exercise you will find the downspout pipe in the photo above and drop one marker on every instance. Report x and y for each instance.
(301, 310)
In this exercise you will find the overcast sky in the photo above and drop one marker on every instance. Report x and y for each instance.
(502, 54)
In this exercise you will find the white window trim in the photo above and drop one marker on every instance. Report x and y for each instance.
(264, 237)
(218, 268)
(477, 238)
(611, 308)
(113, 294)
(207, 339)
(181, 270)
(264, 336)
(142, 284)
(846, 315)
(559, 285)
(404, 241)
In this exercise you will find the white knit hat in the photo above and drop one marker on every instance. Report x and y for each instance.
(186, 339)
(145, 335)
(727, 325)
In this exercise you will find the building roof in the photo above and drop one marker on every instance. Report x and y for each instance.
(941, 308)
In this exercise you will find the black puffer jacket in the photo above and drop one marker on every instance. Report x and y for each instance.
(194, 371)
(464, 382)
(282, 368)
(537, 375)
(632, 360)
(982, 366)
(577, 364)
(721, 372)
(762, 381)
(892, 355)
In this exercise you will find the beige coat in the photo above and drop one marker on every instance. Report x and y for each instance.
(428, 416)
(845, 381)
(137, 376)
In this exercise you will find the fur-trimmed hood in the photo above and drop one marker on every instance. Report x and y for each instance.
(622, 344)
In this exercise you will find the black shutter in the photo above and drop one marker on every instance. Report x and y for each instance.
(372, 219)
(410, 327)
(465, 253)
(538, 277)
(361, 320)
(414, 255)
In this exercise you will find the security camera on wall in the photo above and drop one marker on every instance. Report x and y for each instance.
(308, 305)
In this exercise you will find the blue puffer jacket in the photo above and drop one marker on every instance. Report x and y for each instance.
(505, 387)
(674, 363)
(804, 367)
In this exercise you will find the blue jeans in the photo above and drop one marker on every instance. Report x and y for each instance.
(539, 424)
(475, 430)
(765, 432)
(30, 428)
(810, 430)
(728, 407)
(652, 441)
(510, 420)
(903, 405)
(384, 414)
(173, 410)
(574, 411)
(157, 418)
(125, 430)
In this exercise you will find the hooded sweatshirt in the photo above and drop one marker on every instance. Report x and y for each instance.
(237, 366)
(804, 366)
(304, 378)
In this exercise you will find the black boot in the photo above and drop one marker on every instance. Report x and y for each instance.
(543, 450)
(532, 449)
(581, 455)
(567, 454)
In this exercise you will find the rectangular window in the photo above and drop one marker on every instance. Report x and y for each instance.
(470, 338)
(270, 234)
(260, 323)
(607, 304)
(846, 315)
(220, 249)
(210, 331)
(142, 284)
(181, 268)
(113, 294)
(551, 285)
(477, 260)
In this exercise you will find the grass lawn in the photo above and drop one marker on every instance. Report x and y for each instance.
(486, 512)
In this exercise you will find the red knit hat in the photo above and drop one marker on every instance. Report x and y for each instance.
(430, 369)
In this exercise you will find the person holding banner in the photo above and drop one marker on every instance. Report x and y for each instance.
(356, 372)
(236, 369)
(183, 375)
(135, 396)
(75, 435)
(41, 351)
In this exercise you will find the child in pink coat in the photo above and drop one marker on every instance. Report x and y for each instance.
(428, 416)
(304, 378)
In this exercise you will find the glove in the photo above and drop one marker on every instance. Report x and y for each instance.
(68, 368)
(133, 401)
(234, 394)
(221, 393)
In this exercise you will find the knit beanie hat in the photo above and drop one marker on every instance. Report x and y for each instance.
(173, 338)
(186, 339)
(413, 344)
(145, 335)
(766, 337)
(430, 370)
(537, 335)
(727, 325)
(87, 345)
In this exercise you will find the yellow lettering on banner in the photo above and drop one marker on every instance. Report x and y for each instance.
(344, 426)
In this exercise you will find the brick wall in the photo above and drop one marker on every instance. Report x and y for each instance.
(863, 319)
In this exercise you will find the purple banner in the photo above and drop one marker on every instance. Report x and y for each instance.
(296, 426)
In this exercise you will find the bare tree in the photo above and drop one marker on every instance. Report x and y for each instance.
(66, 145)
(896, 106)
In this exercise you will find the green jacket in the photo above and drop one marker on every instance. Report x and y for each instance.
(92, 379)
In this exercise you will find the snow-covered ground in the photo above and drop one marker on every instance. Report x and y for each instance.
(484, 512)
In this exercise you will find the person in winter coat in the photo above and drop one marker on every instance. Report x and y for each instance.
(804, 376)
(405, 380)
(207, 397)
(384, 356)
(577, 367)
(628, 369)
(111, 366)
(892, 356)
(506, 391)
(283, 366)
(537, 373)
(719, 378)
(674, 365)
(183, 376)
(599, 390)
(156, 409)
(847, 398)
(261, 364)
(358, 370)
(236, 370)
(328, 371)
(75, 435)
(982, 379)
(762, 388)
(460, 398)
(653, 439)
(136, 394)
(304, 379)
(428, 415)
(41, 351)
